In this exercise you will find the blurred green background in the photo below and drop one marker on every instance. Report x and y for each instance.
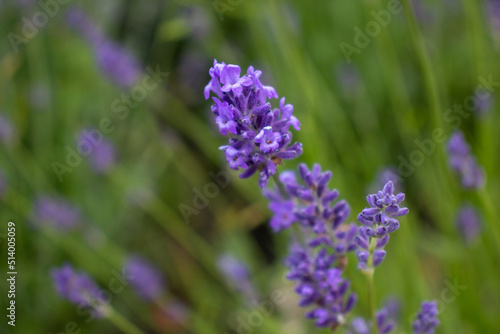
(358, 117)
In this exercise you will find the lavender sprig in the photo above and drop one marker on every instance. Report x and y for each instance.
(463, 162)
(259, 135)
(426, 321)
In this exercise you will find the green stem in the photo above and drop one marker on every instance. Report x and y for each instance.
(489, 212)
(371, 288)
(121, 322)
(425, 62)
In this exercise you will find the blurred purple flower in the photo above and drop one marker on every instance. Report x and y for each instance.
(484, 105)
(237, 275)
(78, 288)
(389, 174)
(103, 155)
(6, 130)
(116, 62)
(147, 280)
(56, 212)
(468, 223)
(426, 321)
(463, 162)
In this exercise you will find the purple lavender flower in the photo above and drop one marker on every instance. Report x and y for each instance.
(103, 155)
(384, 324)
(56, 212)
(484, 104)
(117, 63)
(389, 174)
(320, 286)
(463, 162)
(145, 278)
(313, 204)
(237, 276)
(259, 135)
(78, 288)
(426, 320)
(379, 221)
(468, 223)
(6, 130)
(380, 218)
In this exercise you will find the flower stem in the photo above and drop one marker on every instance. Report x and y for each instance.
(371, 288)
(121, 322)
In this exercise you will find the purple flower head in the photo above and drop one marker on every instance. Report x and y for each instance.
(320, 286)
(378, 222)
(115, 62)
(78, 288)
(463, 162)
(55, 212)
(426, 321)
(468, 223)
(384, 324)
(103, 155)
(237, 276)
(145, 278)
(6, 130)
(283, 215)
(259, 135)
(380, 218)
(484, 104)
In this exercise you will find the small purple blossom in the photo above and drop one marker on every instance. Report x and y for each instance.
(259, 135)
(320, 286)
(147, 280)
(380, 218)
(78, 288)
(463, 162)
(379, 221)
(6, 130)
(103, 155)
(426, 321)
(237, 275)
(55, 212)
(468, 223)
(116, 63)
(384, 325)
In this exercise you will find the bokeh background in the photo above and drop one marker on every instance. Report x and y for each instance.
(360, 115)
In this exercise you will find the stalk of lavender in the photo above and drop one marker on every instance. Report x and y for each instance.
(259, 141)
(81, 290)
(378, 222)
(259, 136)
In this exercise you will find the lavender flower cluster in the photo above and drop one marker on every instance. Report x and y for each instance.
(463, 162)
(260, 140)
(259, 135)
(118, 64)
(379, 221)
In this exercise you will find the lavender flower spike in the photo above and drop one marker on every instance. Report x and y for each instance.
(237, 276)
(463, 162)
(320, 286)
(78, 288)
(426, 321)
(259, 135)
(379, 221)
(145, 278)
(468, 223)
(56, 212)
(114, 61)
